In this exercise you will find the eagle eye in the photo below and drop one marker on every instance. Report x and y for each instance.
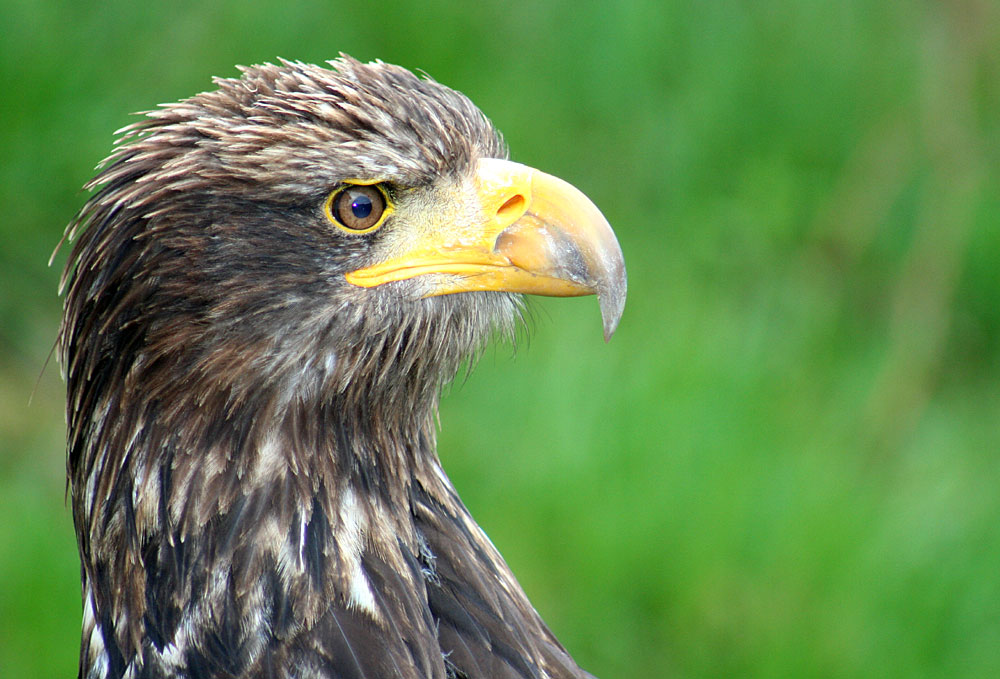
(358, 208)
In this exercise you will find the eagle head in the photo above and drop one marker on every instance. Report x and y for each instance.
(267, 290)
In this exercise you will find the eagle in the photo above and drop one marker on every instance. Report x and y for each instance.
(268, 288)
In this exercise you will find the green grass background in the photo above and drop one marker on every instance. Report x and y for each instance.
(787, 461)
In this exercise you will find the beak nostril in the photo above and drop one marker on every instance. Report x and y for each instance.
(512, 210)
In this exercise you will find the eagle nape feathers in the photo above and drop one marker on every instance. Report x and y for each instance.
(267, 290)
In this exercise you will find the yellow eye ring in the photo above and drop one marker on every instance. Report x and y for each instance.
(357, 207)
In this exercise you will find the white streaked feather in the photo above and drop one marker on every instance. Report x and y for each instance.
(97, 654)
(353, 523)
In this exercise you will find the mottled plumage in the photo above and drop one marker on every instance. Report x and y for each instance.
(251, 455)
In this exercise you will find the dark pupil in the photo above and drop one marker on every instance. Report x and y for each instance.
(361, 206)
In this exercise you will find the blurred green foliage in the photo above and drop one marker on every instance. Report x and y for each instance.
(786, 462)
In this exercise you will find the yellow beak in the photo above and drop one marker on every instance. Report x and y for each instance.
(537, 235)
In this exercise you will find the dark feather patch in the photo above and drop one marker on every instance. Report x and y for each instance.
(315, 546)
